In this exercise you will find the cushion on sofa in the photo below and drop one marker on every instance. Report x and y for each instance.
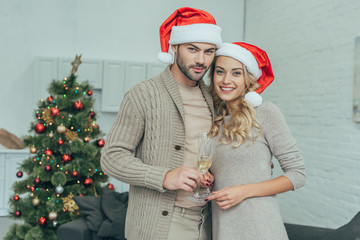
(90, 210)
(114, 206)
(350, 231)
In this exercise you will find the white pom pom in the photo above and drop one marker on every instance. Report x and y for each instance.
(165, 57)
(253, 98)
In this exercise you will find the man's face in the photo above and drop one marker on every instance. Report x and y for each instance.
(194, 59)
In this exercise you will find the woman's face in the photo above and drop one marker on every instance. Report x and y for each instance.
(229, 79)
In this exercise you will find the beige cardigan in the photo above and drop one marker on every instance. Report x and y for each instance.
(145, 142)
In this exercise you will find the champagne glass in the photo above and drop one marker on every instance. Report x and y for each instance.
(205, 153)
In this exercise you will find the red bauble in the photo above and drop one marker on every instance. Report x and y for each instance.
(89, 93)
(37, 181)
(54, 111)
(48, 168)
(80, 195)
(78, 105)
(39, 128)
(19, 174)
(42, 221)
(88, 182)
(74, 173)
(111, 186)
(50, 98)
(60, 142)
(92, 114)
(66, 158)
(16, 198)
(17, 213)
(48, 152)
(101, 142)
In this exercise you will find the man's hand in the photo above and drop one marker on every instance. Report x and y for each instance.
(182, 178)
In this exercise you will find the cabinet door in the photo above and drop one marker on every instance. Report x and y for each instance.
(154, 69)
(135, 72)
(113, 86)
(11, 163)
(46, 71)
(89, 70)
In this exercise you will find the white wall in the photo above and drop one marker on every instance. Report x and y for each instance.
(311, 47)
(111, 29)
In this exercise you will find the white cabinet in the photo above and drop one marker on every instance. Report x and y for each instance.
(10, 160)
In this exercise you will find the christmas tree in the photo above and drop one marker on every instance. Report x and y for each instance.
(65, 161)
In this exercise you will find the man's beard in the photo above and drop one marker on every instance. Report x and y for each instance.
(186, 70)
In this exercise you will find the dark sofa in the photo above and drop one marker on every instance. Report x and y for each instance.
(103, 218)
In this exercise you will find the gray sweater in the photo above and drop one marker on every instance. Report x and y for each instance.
(145, 142)
(256, 218)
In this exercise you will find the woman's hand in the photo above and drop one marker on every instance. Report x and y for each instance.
(207, 180)
(229, 196)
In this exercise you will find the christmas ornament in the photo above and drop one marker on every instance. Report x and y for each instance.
(42, 221)
(101, 142)
(50, 98)
(19, 174)
(60, 142)
(54, 111)
(76, 64)
(59, 189)
(69, 203)
(37, 181)
(74, 173)
(66, 158)
(32, 188)
(86, 139)
(16, 198)
(55, 223)
(111, 186)
(39, 128)
(47, 168)
(48, 152)
(17, 213)
(51, 134)
(92, 114)
(88, 182)
(52, 215)
(89, 93)
(35, 201)
(33, 149)
(78, 105)
(61, 128)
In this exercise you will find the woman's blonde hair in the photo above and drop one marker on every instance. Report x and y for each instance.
(238, 130)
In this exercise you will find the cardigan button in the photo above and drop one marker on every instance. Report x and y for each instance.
(165, 213)
(177, 147)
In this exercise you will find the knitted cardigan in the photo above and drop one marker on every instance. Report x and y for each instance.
(145, 142)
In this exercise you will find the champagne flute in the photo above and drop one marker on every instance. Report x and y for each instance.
(205, 153)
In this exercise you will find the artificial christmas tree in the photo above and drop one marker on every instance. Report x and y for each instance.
(65, 161)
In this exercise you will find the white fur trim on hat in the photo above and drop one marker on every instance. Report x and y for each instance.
(241, 54)
(253, 98)
(165, 57)
(200, 32)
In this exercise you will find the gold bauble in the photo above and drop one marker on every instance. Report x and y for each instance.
(86, 139)
(36, 201)
(33, 149)
(52, 215)
(61, 129)
(51, 134)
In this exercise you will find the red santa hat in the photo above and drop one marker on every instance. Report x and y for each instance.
(187, 25)
(257, 63)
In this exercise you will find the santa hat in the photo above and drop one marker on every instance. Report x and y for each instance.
(257, 63)
(187, 25)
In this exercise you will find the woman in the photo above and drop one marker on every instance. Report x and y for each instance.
(248, 134)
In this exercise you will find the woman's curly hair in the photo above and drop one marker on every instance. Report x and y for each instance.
(239, 129)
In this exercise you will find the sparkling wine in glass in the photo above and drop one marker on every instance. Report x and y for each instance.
(205, 152)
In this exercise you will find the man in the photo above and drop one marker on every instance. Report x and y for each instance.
(152, 144)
